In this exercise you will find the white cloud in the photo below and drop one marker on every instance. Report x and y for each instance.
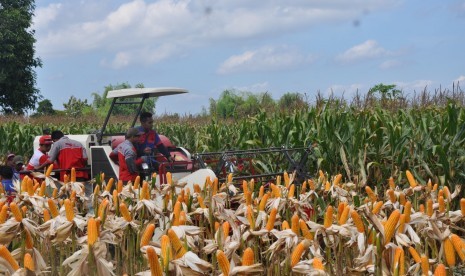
(416, 85)
(369, 49)
(391, 63)
(45, 15)
(346, 91)
(255, 88)
(461, 78)
(264, 59)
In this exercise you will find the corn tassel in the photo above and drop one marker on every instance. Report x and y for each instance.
(5, 254)
(176, 244)
(390, 227)
(147, 236)
(92, 231)
(155, 267)
(271, 219)
(16, 212)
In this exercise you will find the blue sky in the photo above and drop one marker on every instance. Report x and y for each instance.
(274, 46)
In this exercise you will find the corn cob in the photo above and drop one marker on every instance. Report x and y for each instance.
(305, 231)
(271, 219)
(435, 187)
(321, 177)
(250, 217)
(442, 205)
(462, 206)
(261, 191)
(66, 178)
(390, 227)
(223, 262)
(46, 215)
(215, 184)
(429, 186)
(429, 207)
(147, 236)
(402, 262)
(295, 223)
(318, 264)
(449, 252)
(327, 186)
(401, 227)
(69, 210)
(245, 188)
(311, 185)
(357, 221)
(226, 226)
(166, 253)
(446, 192)
(298, 251)
(248, 257)
(248, 198)
(291, 191)
(49, 170)
(125, 212)
(29, 240)
(395, 266)
(73, 174)
(407, 211)
(263, 201)
(458, 246)
(337, 179)
(201, 203)
(371, 195)
(3, 213)
(402, 198)
(30, 187)
(217, 225)
(421, 208)
(29, 262)
(5, 254)
(136, 183)
(53, 208)
(392, 196)
(275, 191)
(424, 265)
(16, 212)
(416, 257)
(285, 225)
(303, 188)
(377, 207)
(391, 183)
(92, 231)
(440, 270)
(109, 184)
(96, 190)
(328, 217)
(176, 213)
(182, 218)
(345, 215)
(411, 179)
(102, 209)
(176, 244)
(340, 209)
(120, 186)
(155, 267)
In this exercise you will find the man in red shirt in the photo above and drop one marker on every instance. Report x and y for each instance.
(68, 153)
(39, 159)
(125, 155)
(149, 140)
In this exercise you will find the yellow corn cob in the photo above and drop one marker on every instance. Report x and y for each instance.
(340, 209)
(285, 225)
(16, 212)
(295, 223)
(92, 231)
(462, 206)
(147, 235)
(357, 221)
(73, 175)
(429, 207)
(429, 186)
(327, 186)
(440, 270)
(402, 262)
(201, 203)
(424, 265)
(181, 196)
(176, 244)
(415, 256)
(303, 188)
(377, 207)
(446, 192)
(24, 184)
(328, 217)
(248, 257)
(226, 226)
(66, 178)
(245, 188)
(411, 179)
(3, 213)
(166, 253)
(215, 184)
(29, 240)
(155, 267)
(2, 191)
(120, 186)
(392, 196)
(407, 211)
(291, 191)
(102, 209)
(29, 262)
(248, 198)
(250, 217)
(115, 198)
(395, 265)
(5, 254)
(182, 218)
(223, 262)
(345, 215)
(321, 177)
(217, 225)
(30, 187)
(402, 199)
(109, 184)
(24, 210)
(305, 231)
(187, 195)
(55, 193)
(262, 205)
(46, 215)
(401, 227)
(391, 183)
(261, 191)
(421, 208)
(318, 264)
(442, 205)
(435, 187)
(125, 212)
(390, 227)
(458, 246)
(96, 190)
(449, 252)
(176, 213)
(271, 219)
(371, 194)
(275, 191)
(69, 210)
(53, 208)
(337, 179)
(286, 179)
(144, 191)
(49, 170)
(311, 185)
(102, 176)
(136, 183)
(298, 251)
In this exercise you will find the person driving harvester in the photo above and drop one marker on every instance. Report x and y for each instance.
(149, 140)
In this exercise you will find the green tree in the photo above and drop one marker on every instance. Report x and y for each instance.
(17, 62)
(45, 107)
(291, 101)
(75, 107)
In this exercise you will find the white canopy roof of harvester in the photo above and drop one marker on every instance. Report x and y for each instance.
(148, 92)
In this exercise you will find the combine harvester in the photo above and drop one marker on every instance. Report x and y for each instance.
(187, 168)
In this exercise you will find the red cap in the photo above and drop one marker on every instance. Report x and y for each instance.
(45, 140)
